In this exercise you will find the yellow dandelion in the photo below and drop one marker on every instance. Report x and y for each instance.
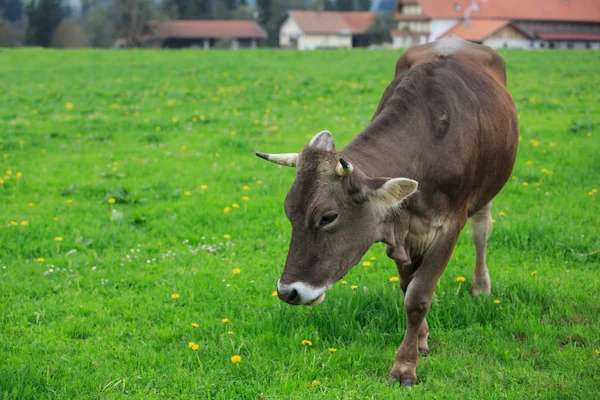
(534, 143)
(69, 105)
(157, 129)
(354, 287)
(496, 301)
(40, 259)
(552, 144)
(1, 181)
(373, 258)
(217, 155)
(460, 279)
(597, 352)
(175, 296)
(344, 283)
(58, 239)
(525, 184)
(175, 120)
(112, 200)
(202, 118)
(502, 213)
(332, 350)
(30, 204)
(245, 198)
(394, 279)
(13, 223)
(236, 359)
(259, 182)
(203, 187)
(182, 149)
(115, 169)
(367, 264)
(274, 294)
(235, 205)
(24, 223)
(493, 221)
(230, 333)
(195, 347)
(306, 342)
(194, 325)
(18, 175)
(9, 172)
(188, 193)
(246, 187)
(69, 201)
(226, 209)
(233, 133)
(533, 273)
(225, 320)
(190, 344)
(315, 383)
(236, 271)
(528, 162)
(227, 236)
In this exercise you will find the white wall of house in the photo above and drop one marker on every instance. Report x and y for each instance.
(508, 43)
(440, 26)
(289, 31)
(316, 41)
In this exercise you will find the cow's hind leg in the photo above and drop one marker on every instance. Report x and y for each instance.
(481, 228)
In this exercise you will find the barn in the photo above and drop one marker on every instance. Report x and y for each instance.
(506, 23)
(202, 34)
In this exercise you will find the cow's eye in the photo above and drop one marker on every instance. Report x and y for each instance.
(328, 218)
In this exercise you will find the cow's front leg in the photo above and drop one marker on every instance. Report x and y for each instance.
(417, 300)
(406, 277)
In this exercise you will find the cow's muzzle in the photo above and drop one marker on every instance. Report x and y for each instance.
(300, 293)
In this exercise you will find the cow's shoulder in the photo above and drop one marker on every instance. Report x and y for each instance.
(472, 55)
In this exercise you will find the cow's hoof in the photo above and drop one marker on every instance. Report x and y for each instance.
(404, 382)
(423, 352)
(408, 382)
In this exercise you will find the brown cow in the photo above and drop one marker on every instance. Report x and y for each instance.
(445, 121)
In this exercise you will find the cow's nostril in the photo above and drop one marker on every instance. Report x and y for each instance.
(291, 297)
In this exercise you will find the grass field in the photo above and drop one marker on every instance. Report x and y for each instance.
(136, 219)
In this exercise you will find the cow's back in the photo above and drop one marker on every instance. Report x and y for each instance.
(464, 132)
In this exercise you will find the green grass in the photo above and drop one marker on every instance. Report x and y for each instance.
(95, 317)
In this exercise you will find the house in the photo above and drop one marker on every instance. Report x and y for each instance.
(306, 30)
(495, 23)
(202, 34)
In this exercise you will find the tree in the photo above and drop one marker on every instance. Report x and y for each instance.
(69, 35)
(99, 27)
(7, 35)
(44, 18)
(13, 10)
(131, 16)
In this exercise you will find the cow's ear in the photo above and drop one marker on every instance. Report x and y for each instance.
(388, 192)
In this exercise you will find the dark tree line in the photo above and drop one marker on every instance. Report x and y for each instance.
(101, 22)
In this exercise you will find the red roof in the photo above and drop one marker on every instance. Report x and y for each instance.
(333, 22)
(477, 30)
(567, 36)
(545, 10)
(212, 29)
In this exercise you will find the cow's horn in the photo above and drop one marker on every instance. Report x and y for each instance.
(287, 159)
(343, 167)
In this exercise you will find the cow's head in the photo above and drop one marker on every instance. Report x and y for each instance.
(337, 213)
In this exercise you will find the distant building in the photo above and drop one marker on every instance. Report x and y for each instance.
(307, 30)
(202, 34)
(500, 23)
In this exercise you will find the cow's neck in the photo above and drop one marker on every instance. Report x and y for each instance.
(386, 148)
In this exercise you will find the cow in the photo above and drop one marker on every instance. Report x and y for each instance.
(440, 146)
